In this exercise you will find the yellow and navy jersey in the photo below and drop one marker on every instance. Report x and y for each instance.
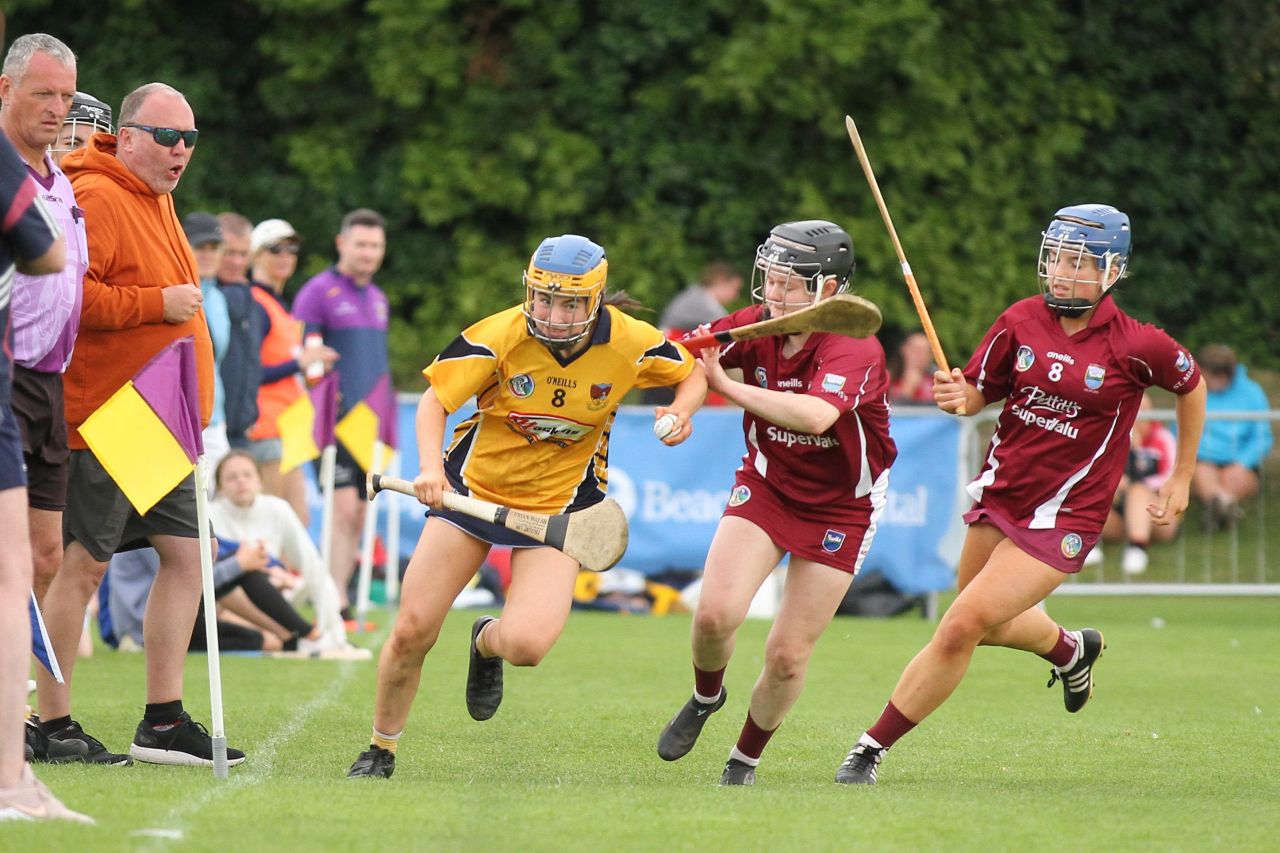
(539, 440)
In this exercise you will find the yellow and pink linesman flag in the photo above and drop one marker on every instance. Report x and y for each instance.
(147, 436)
(306, 426)
(371, 420)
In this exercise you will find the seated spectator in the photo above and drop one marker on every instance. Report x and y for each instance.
(1152, 449)
(1231, 451)
(911, 371)
(242, 512)
(253, 614)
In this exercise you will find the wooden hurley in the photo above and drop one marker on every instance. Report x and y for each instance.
(596, 536)
(844, 314)
(922, 311)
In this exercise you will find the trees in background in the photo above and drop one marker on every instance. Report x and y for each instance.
(678, 131)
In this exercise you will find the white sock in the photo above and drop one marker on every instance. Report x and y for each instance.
(737, 755)
(704, 700)
(869, 741)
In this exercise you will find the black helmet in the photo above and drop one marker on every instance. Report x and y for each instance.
(87, 108)
(814, 249)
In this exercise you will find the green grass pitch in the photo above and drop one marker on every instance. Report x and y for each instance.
(1177, 751)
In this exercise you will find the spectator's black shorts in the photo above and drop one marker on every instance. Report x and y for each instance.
(345, 472)
(101, 518)
(37, 404)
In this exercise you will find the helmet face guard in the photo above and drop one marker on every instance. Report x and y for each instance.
(811, 252)
(1083, 254)
(564, 290)
(87, 116)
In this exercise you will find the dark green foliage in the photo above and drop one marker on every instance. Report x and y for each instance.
(676, 132)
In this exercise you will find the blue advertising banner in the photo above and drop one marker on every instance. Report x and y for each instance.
(673, 496)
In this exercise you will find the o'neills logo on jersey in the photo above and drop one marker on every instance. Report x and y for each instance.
(804, 439)
(1026, 358)
(1071, 545)
(535, 427)
(521, 385)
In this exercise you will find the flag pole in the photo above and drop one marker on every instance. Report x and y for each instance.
(392, 569)
(366, 546)
(218, 733)
(328, 470)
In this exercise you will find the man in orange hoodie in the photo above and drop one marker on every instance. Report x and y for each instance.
(141, 293)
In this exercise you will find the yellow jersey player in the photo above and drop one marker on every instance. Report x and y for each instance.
(547, 377)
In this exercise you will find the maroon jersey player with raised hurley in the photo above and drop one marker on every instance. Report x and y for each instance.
(1071, 368)
(812, 484)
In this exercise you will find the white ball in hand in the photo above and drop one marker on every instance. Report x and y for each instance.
(664, 426)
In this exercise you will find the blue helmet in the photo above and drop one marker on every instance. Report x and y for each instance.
(1083, 237)
(564, 266)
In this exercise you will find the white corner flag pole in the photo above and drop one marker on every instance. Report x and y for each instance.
(328, 470)
(219, 734)
(366, 547)
(392, 568)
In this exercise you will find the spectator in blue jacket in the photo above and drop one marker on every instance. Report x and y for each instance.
(1231, 451)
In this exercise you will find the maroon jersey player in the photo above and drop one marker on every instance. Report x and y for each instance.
(1071, 369)
(811, 485)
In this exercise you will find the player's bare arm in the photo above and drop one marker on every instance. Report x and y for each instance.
(430, 484)
(690, 392)
(1171, 500)
(800, 412)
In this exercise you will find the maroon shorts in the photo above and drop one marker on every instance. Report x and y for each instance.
(836, 536)
(1064, 550)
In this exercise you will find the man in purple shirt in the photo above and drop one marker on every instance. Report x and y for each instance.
(36, 89)
(345, 307)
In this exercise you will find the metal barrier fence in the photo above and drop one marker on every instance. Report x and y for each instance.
(1199, 560)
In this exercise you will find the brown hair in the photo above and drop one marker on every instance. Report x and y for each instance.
(363, 216)
(234, 454)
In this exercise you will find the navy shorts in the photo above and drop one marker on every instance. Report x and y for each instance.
(12, 473)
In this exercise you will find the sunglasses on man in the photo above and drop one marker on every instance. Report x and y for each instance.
(167, 136)
(283, 249)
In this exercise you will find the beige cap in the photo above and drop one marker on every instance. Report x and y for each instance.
(268, 233)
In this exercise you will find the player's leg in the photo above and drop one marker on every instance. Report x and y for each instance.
(740, 558)
(537, 606)
(1005, 590)
(15, 583)
(809, 601)
(536, 609)
(443, 561)
(348, 522)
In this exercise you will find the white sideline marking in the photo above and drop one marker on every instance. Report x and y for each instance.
(257, 768)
